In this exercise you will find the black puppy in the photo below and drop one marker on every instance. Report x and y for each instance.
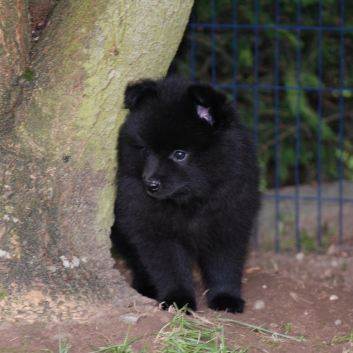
(188, 181)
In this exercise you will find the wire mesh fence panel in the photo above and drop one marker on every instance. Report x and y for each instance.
(288, 66)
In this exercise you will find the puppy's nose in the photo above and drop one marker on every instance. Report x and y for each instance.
(152, 185)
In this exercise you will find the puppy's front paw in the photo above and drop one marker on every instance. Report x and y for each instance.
(226, 302)
(180, 301)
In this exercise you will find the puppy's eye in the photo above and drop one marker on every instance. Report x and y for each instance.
(145, 151)
(179, 155)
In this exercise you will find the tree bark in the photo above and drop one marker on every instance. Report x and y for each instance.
(14, 50)
(58, 135)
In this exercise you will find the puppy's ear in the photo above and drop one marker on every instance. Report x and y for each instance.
(135, 92)
(208, 102)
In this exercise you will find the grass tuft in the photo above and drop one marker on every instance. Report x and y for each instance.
(193, 335)
(185, 333)
(190, 333)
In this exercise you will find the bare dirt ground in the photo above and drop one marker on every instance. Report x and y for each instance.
(310, 295)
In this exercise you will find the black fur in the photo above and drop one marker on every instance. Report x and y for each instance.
(188, 183)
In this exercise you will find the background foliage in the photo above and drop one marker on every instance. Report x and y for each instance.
(305, 59)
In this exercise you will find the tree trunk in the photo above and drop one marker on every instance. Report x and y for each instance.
(58, 133)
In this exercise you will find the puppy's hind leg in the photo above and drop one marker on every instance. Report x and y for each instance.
(141, 279)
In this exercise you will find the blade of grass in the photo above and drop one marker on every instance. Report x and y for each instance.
(124, 347)
(64, 347)
(343, 339)
(262, 329)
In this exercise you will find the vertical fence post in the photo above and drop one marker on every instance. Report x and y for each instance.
(297, 130)
(192, 46)
(256, 96)
(235, 52)
(340, 161)
(277, 155)
(319, 132)
(213, 43)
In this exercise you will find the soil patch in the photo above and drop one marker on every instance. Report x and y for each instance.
(303, 295)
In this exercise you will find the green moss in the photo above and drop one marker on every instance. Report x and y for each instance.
(28, 75)
(3, 294)
(50, 13)
(105, 212)
(99, 114)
